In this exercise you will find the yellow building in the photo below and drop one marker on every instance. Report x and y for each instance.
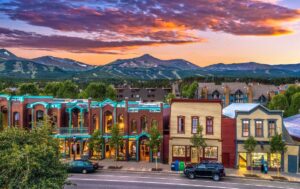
(185, 116)
(261, 123)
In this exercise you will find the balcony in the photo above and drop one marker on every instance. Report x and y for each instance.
(71, 131)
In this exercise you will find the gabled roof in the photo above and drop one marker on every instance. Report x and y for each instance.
(230, 111)
(292, 124)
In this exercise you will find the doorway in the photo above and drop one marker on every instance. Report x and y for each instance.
(144, 150)
(194, 155)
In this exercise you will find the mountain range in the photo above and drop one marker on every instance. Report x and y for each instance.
(145, 67)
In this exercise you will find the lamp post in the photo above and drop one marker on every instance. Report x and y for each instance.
(74, 147)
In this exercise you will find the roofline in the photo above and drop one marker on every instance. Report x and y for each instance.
(196, 100)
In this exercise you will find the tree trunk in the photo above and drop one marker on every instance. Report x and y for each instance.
(251, 167)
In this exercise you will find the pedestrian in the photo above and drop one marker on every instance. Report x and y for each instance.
(262, 162)
(266, 167)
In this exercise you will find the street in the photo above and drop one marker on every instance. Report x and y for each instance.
(125, 180)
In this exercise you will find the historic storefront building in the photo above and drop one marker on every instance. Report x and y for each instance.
(185, 117)
(76, 120)
(255, 120)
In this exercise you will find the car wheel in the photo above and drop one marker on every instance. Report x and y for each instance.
(216, 177)
(191, 175)
(84, 171)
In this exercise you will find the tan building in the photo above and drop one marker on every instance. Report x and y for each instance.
(261, 123)
(185, 116)
(237, 92)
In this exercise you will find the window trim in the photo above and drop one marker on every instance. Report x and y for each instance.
(249, 132)
(262, 128)
(192, 117)
(275, 123)
(212, 125)
(183, 117)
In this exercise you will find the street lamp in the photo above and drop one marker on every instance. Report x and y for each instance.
(74, 147)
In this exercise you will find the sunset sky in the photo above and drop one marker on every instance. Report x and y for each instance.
(201, 31)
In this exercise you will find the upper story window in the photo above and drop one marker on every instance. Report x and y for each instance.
(246, 128)
(39, 115)
(180, 124)
(144, 124)
(121, 123)
(108, 122)
(272, 128)
(259, 131)
(209, 125)
(133, 126)
(195, 123)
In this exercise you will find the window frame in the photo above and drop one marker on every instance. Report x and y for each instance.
(243, 127)
(192, 122)
(275, 127)
(262, 128)
(183, 130)
(212, 125)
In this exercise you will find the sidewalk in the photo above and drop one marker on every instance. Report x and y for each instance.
(147, 167)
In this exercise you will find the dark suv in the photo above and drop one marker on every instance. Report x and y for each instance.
(214, 170)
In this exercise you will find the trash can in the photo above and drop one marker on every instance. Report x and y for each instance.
(175, 166)
(181, 166)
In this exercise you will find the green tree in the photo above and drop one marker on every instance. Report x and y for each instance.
(111, 92)
(116, 140)
(249, 146)
(277, 146)
(68, 89)
(28, 88)
(52, 88)
(189, 91)
(96, 91)
(198, 140)
(154, 142)
(292, 89)
(30, 159)
(279, 102)
(169, 98)
(295, 104)
(96, 142)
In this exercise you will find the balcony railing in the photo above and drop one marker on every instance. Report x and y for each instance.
(72, 130)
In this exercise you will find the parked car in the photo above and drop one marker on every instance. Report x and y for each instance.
(214, 170)
(81, 166)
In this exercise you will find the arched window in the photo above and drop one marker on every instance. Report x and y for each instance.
(39, 115)
(108, 122)
(144, 124)
(16, 121)
(216, 94)
(154, 123)
(121, 123)
(133, 126)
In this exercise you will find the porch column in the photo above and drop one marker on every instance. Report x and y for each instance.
(70, 118)
(115, 114)
(58, 118)
(81, 118)
(32, 117)
(100, 119)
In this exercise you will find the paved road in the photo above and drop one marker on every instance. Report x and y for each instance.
(115, 180)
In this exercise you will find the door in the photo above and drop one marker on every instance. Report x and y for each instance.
(292, 164)
(194, 155)
(225, 159)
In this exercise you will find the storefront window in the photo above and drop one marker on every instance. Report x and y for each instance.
(132, 149)
(211, 152)
(257, 158)
(122, 151)
(178, 151)
(275, 160)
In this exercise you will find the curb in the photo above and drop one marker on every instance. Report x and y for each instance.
(180, 173)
